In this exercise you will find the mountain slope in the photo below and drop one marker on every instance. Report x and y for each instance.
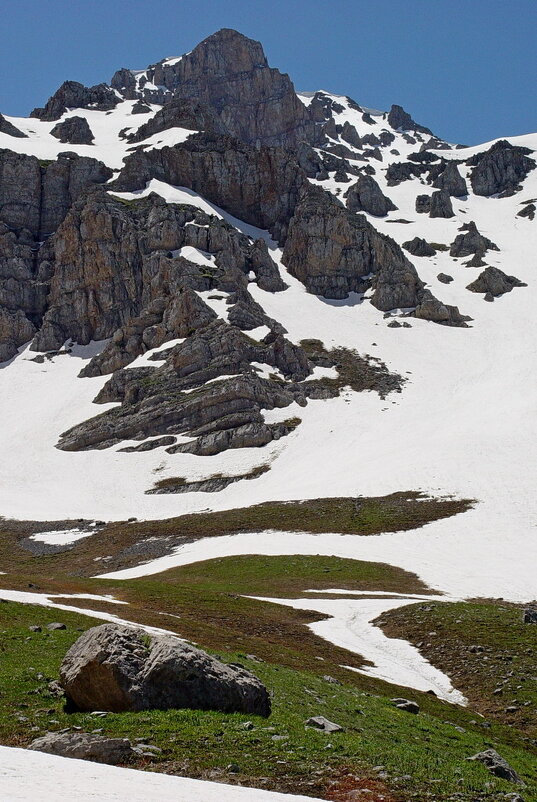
(214, 285)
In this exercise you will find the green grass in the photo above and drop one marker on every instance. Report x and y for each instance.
(286, 576)
(120, 540)
(426, 749)
(502, 674)
(206, 602)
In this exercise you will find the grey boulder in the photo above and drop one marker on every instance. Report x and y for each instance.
(497, 765)
(322, 723)
(406, 705)
(118, 668)
(85, 746)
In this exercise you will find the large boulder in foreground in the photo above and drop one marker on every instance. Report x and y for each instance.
(117, 668)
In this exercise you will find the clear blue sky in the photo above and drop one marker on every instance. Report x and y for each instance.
(465, 68)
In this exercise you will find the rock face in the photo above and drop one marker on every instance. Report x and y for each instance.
(8, 128)
(180, 113)
(223, 414)
(471, 242)
(36, 196)
(129, 285)
(73, 131)
(366, 196)
(118, 668)
(257, 185)
(494, 281)
(85, 746)
(528, 211)
(334, 252)
(229, 73)
(72, 95)
(501, 169)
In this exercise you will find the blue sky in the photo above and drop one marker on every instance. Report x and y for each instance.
(465, 68)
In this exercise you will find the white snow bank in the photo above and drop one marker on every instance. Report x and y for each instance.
(47, 600)
(60, 537)
(26, 775)
(394, 660)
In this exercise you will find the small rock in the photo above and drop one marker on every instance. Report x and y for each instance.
(34, 628)
(406, 705)
(56, 625)
(497, 765)
(322, 723)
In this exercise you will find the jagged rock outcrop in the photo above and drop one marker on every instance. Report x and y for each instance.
(118, 668)
(117, 270)
(180, 113)
(441, 205)
(229, 73)
(350, 135)
(366, 196)
(451, 181)
(164, 319)
(400, 120)
(471, 242)
(141, 108)
(403, 171)
(334, 252)
(74, 131)
(8, 128)
(73, 95)
(430, 308)
(494, 281)
(155, 403)
(419, 247)
(501, 169)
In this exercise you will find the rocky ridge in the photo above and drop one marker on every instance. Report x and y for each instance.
(87, 254)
